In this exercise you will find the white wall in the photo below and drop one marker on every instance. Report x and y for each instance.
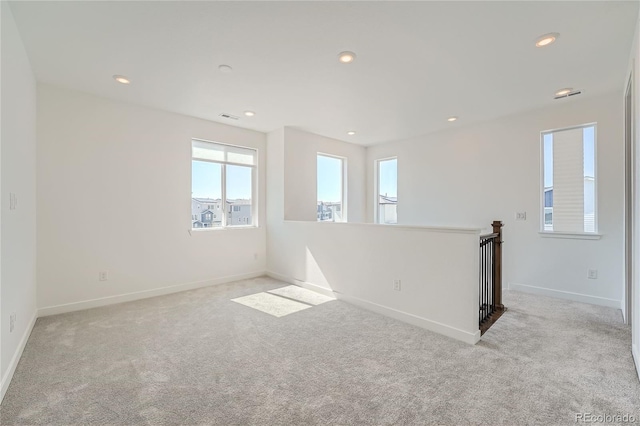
(104, 165)
(18, 176)
(300, 174)
(438, 269)
(358, 262)
(275, 191)
(472, 175)
(292, 182)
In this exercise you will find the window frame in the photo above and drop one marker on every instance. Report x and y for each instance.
(376, 189)
(343, 195)
(223, 183)
(564, 234)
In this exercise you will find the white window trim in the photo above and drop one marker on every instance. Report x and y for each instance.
(571, 235)
(343, 201)
(376, 189)
(223, 183)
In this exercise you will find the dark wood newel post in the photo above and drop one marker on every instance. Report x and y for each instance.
(497, 265)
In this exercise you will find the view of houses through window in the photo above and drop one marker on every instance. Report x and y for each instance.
(387, 191)
(330, 189)
(221, 185)
(569, 197)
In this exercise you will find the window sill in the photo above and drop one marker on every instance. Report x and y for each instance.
(571, 235)
(221, 228)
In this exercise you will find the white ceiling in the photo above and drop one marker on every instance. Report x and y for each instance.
(417, 62)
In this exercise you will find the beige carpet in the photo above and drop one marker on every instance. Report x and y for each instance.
(200, 357)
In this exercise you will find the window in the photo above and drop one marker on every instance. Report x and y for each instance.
(387, 191)
(222, 175)
(330, 189)
(569, 180)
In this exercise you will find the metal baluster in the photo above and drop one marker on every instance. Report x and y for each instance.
(486, 279)
(484, 282)
(493, 241)
(480, 285)
(490, 266)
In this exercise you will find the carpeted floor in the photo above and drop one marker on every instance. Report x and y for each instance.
(200, 358)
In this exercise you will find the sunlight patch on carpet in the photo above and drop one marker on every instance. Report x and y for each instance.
(271, 304)
(301, 295)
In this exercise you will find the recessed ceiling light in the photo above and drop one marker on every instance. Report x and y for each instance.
(452, 118)
(225, 68)
(346, 57)
(351, 133)
(121, 79)
(249, 113)
(546, 39)
(564, 91)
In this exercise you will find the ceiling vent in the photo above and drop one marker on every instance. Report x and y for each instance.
(229, 116)
(573, 93)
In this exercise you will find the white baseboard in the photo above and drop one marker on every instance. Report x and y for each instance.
(636, 358)
(4, 384)
(559, 294)
(446, 330)
(104, 301)
(128, 297)
(309, 286)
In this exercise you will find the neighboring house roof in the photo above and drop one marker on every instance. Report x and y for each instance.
(207, 200)
(239, 202)
(383, 199)
(208, 211)
(218, 200)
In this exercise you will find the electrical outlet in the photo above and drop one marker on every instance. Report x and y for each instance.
(592, 274)
(521, 216)
(12, 322)
(103, 276)
(13, 201)
(397, 285)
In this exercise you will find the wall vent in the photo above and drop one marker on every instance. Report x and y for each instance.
(229, 116)
(575, 92)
